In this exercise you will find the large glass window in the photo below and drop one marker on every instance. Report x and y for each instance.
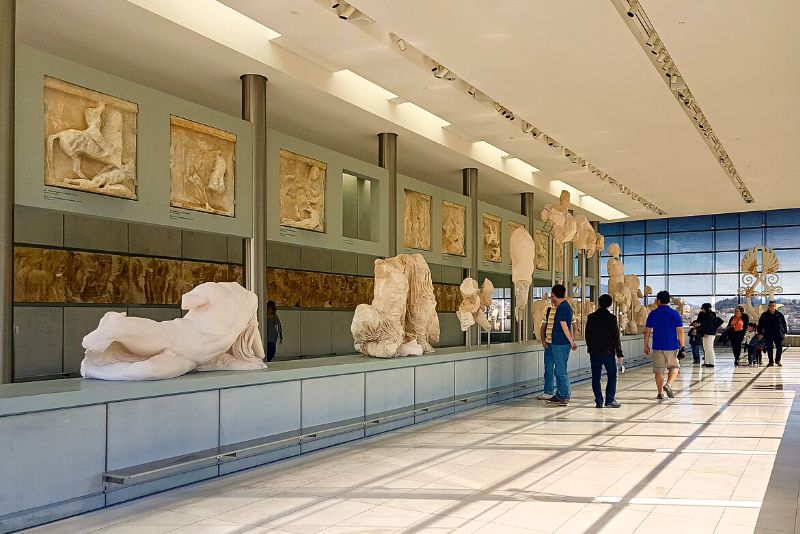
(698, 258)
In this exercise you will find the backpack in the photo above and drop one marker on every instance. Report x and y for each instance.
(716, 322)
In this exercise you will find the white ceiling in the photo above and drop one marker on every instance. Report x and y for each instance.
(572, 68)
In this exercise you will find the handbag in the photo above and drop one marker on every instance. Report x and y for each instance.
(682, 353)
(716, 322)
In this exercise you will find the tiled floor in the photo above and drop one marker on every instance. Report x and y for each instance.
(697, 464)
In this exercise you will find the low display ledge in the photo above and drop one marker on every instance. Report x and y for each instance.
(31, 397)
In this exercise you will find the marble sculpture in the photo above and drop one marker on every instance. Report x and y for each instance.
(302, 192)
(637, 311)
(616, 284)
(90, 140)
(417, 220)
(492, 233)
(401, 320)
(539, 309)
(201, 164)
(564, 225)
(475, 301)
(522, 252)
(453, 225)
(541, 242)
(219, 332)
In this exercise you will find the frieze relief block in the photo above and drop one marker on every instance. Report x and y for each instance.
(302, 191)
(453, 228)
(492, 234)
(417, 220)
(40, 274)
(202, 168)
(541, 242)
(90, 140)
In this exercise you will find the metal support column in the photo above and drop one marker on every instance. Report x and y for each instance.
(387, 159)
(254, 110)
(596, 268)
(7, 57)
(470, 189)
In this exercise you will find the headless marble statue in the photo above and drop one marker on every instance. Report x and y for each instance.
(522, 264)
(475, 301)
(564, 224)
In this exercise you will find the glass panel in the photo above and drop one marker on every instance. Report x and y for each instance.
(681, 224)
(614, 239)
(634, 227)
(751, 219)
(690, 242)
(634, 264)
(656, 283)
(604, 285)
(656, 225)
(791, 310)
(603, 267)
(751, 238)
(656, 264)
(783, 217)
(727, 284)
(789, 259)
(790, 282)
(685, 284)
(727, 239)
(727, 262)
(725, 304)
(692, 308)
(634, 244)
(727, 220)
(656, 243)
(783, 237)
(608, 229)
(702, 262)
(499, 312)
(357, 207)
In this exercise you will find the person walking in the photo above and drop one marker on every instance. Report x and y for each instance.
(273, 329)
(708, 329)
(772, 325)
(737, 326)
(695, 341)
(603, 343)
(665, 326)
(557, 349)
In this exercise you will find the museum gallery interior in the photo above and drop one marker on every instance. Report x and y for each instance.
(322, 266)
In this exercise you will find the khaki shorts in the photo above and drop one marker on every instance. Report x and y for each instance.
(665, 359)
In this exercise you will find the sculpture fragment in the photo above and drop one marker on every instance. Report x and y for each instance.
(522, 254)
(564, 225)
(475, 301)
(90, 140)
(302, 191)
(539, 310)
(492, 233)
(219, 332)
(401, 320)
(541, 241)
(201, 164)
(453, 228)
(417, 220)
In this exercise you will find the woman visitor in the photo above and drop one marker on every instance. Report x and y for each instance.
(273, 330)
(737, 326)
(709, 323)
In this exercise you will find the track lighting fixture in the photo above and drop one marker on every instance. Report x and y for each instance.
(537, 134)
(567, 153)
(401, 44)
(345, 11)
(634, 7)
(653, 40)
(335, 4)
(503, 111)
(526, 127)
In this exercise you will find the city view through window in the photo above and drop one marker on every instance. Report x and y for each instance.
(698, 258)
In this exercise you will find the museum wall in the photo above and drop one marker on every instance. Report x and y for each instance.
(64, 263)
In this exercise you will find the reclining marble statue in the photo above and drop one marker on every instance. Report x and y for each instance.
(402, 320)
(219, 332)
(522, 264)
(475, 301)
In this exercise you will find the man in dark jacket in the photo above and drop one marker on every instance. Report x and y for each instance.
(772, 325)
(603, 343)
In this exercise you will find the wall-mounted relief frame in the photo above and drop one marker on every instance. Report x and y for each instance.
(438, 197)
(506, 216)
(152, 145)
(540, 234)
(337, 164)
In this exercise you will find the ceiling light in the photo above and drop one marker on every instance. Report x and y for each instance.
(582, 162)
(401, 44)
(552, 142)
(567, 153)
(537, 134)
(526, 127)
(335, 4)
(662, 55)
(441, 72)
(345, 11)
(634, 8)
(653, 40)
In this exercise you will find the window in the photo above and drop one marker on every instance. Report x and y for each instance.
(690, 284)
(783, 237)
(701, 262)
(751, 238)
(690, 242)
(727, 239)
(783, 217)
(634, 264)
(751, 219)
(727, 262)
(683, 224)
(499, 312)
(634, 244)
(656, 243)
(656, 264)
(357, 207)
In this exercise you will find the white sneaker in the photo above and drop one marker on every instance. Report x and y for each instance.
(544, 396)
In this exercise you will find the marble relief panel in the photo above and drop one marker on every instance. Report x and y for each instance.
(88, 274)
(284, 287)
(156, 281)
(417, 220)
(302, 191)
(448, 297)
(541, 244)
(558, 257)
(236, 274)
(201, 165)
(492, 234)
(195, 273)
(90, 140)
(40, 274)
(453, 228)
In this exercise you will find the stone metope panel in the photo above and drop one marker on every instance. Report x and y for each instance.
(453, 228)
(417, 220)
(302, 191)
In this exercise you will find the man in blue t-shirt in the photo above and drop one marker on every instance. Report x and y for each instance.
(560, 343)
(666, 328)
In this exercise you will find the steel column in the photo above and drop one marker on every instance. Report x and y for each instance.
(7, 61)
(387, 159)
(470, 189)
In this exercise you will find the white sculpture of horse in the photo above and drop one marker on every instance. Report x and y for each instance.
(219, 332)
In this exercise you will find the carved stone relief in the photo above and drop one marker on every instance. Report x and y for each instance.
(302, 194)
(475, 301)
(448, 297)
(558, 257)
(88, 275)
(492, 234)
(453, 228)
(541, 241)
(201, 165)
(417, 220)
(90, 140)
(284, 286)
(40, 275)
